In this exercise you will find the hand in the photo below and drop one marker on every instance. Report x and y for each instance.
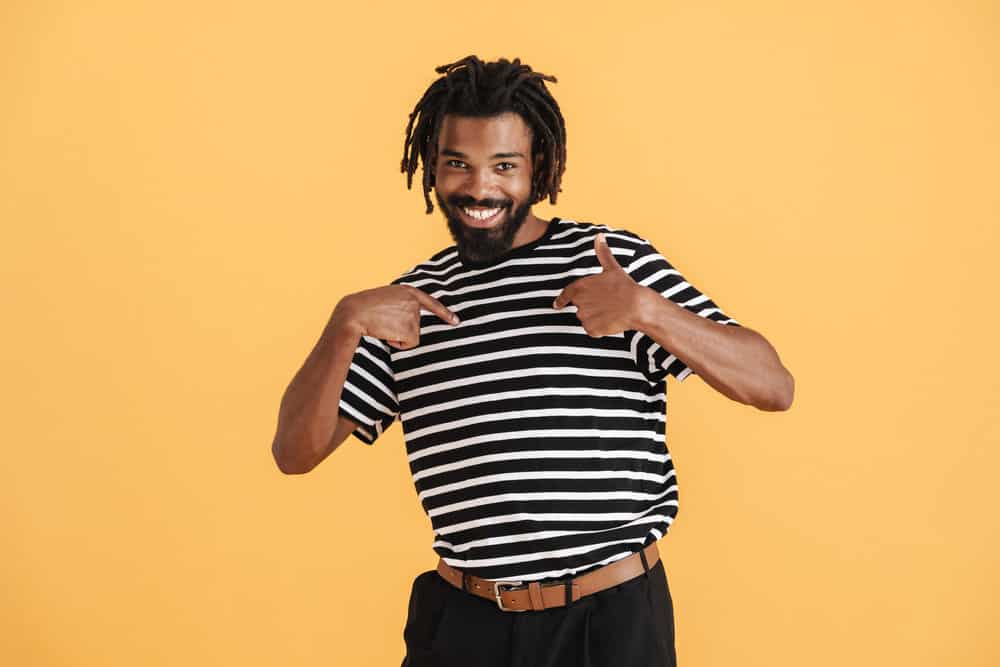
(607, 303)
(391, 313)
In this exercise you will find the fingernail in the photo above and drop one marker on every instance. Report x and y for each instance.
(454, 319)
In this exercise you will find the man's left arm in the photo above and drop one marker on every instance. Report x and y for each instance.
(734, 360)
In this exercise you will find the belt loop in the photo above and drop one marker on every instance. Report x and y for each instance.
(568, 585)
(465, 582)
(645, 566)
(645, 563)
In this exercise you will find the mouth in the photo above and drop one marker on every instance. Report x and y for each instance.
(481, 218)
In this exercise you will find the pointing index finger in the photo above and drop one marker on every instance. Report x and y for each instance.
(436, 307)
(564, 297)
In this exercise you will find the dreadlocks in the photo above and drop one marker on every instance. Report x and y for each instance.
(471, 87)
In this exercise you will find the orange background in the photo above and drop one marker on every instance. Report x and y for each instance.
(188, 188)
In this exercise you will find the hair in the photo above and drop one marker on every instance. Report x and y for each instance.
(471, 87)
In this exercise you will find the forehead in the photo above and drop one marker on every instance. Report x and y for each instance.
(505, 133)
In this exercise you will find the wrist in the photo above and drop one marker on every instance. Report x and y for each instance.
(649, 304)
(344, 320)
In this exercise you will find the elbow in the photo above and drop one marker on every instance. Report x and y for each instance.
(293, 468)
(783, 393)
(774, 385)
(290, 465)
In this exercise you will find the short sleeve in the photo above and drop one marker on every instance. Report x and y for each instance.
(650, 269)
(369, 395)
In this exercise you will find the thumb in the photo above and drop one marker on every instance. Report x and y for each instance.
(604, 254)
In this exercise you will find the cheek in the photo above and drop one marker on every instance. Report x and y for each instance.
(444, 182)
(520, 188)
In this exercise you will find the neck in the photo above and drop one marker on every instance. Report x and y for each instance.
(531, 230)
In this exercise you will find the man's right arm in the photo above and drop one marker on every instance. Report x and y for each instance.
(309, 423)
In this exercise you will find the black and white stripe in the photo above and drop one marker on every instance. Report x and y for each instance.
(536, 450)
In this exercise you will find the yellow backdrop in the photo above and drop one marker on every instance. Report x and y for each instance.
(188, 188)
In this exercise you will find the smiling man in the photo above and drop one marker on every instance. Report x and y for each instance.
(486, 196)
(528, 365)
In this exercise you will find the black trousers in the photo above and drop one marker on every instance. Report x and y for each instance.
(629, 625)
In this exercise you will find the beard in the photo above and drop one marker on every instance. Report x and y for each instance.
(483, 245)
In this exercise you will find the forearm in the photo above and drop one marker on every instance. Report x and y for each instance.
(310, 407)
(736, 361)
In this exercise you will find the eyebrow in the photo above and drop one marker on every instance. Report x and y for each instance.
(453, 153)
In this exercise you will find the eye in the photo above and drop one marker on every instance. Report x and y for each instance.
(508, 165)
(457, 164)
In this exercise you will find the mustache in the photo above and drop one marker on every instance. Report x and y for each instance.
(459, 200)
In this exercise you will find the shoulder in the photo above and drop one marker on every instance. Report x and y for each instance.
(581, 229)
(624, 243)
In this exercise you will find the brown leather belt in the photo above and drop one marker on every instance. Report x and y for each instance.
(535, 596)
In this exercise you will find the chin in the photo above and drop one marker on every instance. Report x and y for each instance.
(479, 240)
(482, 244)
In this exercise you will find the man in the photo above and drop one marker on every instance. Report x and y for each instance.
(527, 364)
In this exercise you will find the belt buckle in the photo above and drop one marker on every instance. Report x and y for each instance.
(498, 589)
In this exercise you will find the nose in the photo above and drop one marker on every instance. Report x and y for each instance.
(480, 185)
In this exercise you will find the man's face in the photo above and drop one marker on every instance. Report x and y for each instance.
(482, 175)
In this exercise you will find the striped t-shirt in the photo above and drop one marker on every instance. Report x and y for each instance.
(537, 451)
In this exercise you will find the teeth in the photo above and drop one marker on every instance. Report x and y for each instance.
(481, 214)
